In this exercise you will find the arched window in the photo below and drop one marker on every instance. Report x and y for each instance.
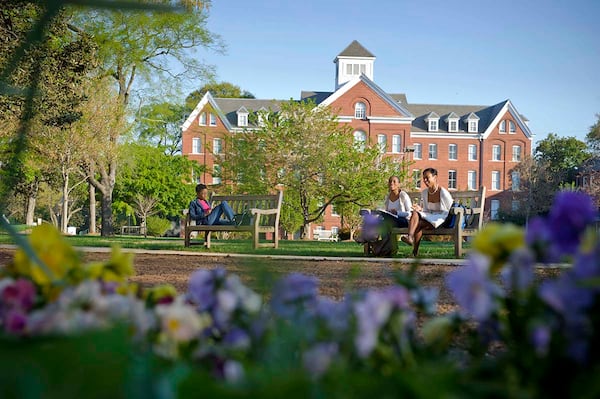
(511, 127)
(360, 110)
(502, 126)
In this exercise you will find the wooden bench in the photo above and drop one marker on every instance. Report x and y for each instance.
(474, 202)
(324, 235)
(264, 211)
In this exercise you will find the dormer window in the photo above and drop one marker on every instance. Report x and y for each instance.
(502, 127)
(432, 120)
(452, 121)
(360, 110)
(511, 127)
(202, 119)
(242, 115)
(472, 121)
(263, 116)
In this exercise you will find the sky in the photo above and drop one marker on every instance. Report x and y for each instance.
(544, 56)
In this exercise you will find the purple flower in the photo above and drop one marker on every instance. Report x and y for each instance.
(571, 213)
(540, 338)
(474, 291)
(334, 314)
(202, 287)
(293, 294)
(318, 358)
(237, 339)
(518, 273)
(15, 322)
(539, 238)
(20, 295)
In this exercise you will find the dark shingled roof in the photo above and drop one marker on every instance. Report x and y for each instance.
(230, 106)
(317, 96)
(355, 49)
(485, 113)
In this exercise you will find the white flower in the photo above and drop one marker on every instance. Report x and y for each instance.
(180, 322)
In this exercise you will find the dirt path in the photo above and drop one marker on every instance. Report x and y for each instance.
(335, 277)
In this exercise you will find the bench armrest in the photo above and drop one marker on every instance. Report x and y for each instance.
(257, 211)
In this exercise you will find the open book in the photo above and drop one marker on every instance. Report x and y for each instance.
(385, 213)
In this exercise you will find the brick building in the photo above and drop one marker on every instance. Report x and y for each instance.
(469, 145)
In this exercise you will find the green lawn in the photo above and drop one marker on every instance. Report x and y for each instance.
(440, 250)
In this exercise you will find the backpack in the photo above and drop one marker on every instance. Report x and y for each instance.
(451, 219)
(375, 234)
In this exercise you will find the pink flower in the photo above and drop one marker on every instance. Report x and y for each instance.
(19, 295)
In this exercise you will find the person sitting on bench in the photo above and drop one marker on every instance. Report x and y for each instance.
(202, 212)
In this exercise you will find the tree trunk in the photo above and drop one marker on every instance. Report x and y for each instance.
(107, 221)
(30, 213)
(92, 215)
(106, 186)
(64, 217)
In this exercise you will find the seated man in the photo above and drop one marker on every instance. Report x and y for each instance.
(202, 213)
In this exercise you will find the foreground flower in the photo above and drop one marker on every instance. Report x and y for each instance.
(474, 291)
(498, 241)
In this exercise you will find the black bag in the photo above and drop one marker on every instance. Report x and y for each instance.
(451, 219)
(243, 219)
(383, 246)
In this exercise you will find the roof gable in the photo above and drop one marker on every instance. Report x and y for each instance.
(207, 99)
(399, 108)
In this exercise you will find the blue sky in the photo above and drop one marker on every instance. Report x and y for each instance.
(542, 55)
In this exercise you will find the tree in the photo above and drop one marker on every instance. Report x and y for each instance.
(52, 64)
(217, 89)
(142, 45)
(593, 136)
(306, 152)
(150, 173)
(562, 155)
(159, 124)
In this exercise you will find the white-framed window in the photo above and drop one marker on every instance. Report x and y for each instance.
(515, 178)
(515, 205)
(334, 211)
(433, 151)
(473, 126)
(452, 152)
(472, 152)
(242, 119)
(452, 179)
(213, 119)
(360, 110)
(217, 146)
(416, 178)
(516, 153)
(196, 145)
(263, 116)
(433, 125)
(512, 127)
(360, 139)
(382, 143)
(418, 154)
(471, 180)
(496, 154)
(356, 69)
(494, 209)
(453, 126)
(202, 119)
(496, 180)
(396, 144)
(502, 127)
(216, 175)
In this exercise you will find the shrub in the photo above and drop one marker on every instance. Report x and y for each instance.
(157, 226)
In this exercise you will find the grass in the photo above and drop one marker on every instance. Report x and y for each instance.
(428, 249)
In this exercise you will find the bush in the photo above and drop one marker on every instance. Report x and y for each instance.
(157, 226)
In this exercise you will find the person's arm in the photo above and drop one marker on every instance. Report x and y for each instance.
(405, 202)
(445, 199)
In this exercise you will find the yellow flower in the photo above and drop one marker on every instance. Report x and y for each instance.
(117, 269)
(498, 241)
(60, 259)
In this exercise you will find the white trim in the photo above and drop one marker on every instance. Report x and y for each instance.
(362, 78)
(207, 99)
(508, 107)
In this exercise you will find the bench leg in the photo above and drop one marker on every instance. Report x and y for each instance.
(276, 239)
(458, 251)
(186, 241)
(207, 239)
